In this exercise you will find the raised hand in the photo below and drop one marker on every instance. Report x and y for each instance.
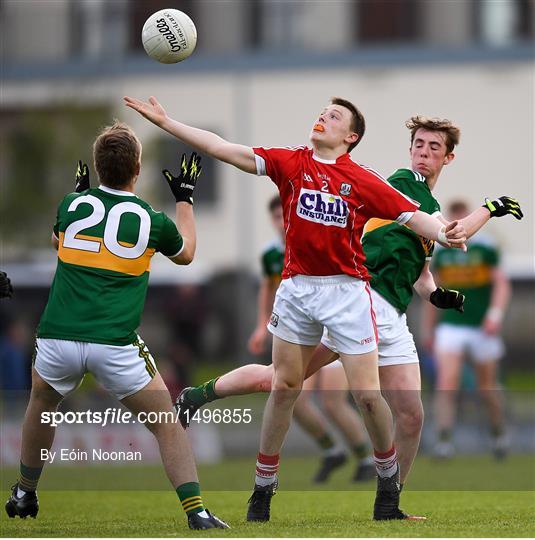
(503, 206)
(447, 299)
(82, 177)
(151, 110)
(455, 234)
(183, 185)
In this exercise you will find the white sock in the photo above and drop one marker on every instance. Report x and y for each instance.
(266, 469)
(386, 464)
(264, 481)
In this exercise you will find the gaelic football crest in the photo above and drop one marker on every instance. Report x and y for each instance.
(345, 189)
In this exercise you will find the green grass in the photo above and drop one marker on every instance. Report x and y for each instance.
(298, 510)
(294, 514)
(466, 473)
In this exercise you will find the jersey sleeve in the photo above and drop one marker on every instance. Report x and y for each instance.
(61, 212)
(277, 163)
(55, 229)
(170, 242)
(264, 263)
(413, 185)
(384, 201)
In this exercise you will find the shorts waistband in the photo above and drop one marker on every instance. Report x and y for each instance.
(325, 280)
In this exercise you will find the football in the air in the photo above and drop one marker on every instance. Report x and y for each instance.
(169, 36)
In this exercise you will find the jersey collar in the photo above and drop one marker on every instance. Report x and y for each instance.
(116, 191)
(339, 159)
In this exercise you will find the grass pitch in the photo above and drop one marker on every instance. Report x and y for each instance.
(298, 509)
(294, 514)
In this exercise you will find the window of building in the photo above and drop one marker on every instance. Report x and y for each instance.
(386, 21)
(167, 152)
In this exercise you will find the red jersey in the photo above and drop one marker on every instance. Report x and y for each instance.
(326, 204)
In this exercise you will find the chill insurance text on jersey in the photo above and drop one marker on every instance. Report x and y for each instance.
(326, 204)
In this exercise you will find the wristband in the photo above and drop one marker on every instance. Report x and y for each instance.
(494, 314)
(441, 236)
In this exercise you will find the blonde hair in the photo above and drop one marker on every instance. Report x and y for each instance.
(452, 132)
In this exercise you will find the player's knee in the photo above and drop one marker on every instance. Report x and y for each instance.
(286, 389)
(411, 420)
(263, 384)
(287, 381)
(367, 400)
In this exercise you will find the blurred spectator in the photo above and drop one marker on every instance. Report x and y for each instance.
(476, 274)
(186, 312)
(14, 359)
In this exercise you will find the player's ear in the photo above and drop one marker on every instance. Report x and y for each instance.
(352, 138)
(449, 158)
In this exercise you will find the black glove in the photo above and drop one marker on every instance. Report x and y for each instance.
(82, 177)
(503, 206)
(6, 289)
(447, 299)
(182, 186)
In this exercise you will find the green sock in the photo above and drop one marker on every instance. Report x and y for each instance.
(325, 442)
(361, 450)
(190, 497)
(204, 393)
(29, 477)
(444, 435)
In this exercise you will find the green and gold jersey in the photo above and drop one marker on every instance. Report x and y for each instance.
(272, 260)
(106, 240)
(395, 255)
(469, 272)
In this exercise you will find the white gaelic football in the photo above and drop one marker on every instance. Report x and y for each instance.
(169, 36)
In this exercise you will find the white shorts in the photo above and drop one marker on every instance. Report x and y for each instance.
(122, 370)
(458, 339)
(337, 363)
(396, 344)
(305, 304)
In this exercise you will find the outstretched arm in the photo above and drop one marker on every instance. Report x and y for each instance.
(182, 187)
(185, 223)
(204, 141)
(452, 235)
(479, 217)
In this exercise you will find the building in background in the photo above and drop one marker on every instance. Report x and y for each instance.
(261, 73)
